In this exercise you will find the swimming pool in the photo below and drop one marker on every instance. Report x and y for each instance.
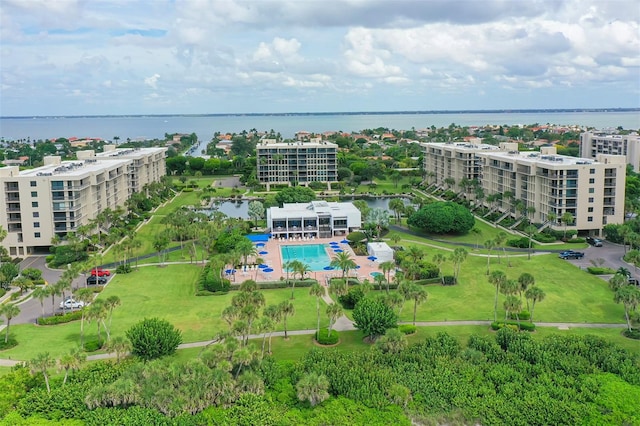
(314, 255)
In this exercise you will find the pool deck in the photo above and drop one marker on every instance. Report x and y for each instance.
(274, 260)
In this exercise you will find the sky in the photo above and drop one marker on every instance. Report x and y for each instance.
(102, 57)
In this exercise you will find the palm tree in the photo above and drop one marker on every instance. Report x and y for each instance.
(489, 245)
(438, 259)
(396, 205)
(41, 293)
(120, 345)
(71, 361)
(415, 254)
(275, 316)
(84, 295)
(513, 305)
(535, 294)
(23, 283)
(246, 248)
(313, 387)
(41, 364)
(419, 295)
(98, 313)
(9, 311)
(500, 239)
(498, 279)
(302, 269)
(318, 291)
(243, 356)
(567, 219)
(458, 257)
(379, 218)
(338, 287)
(525, 280)
(379, 279)
(629, 296)
(334, 311)
(386, 268)
(618, 280)
(110, 304)
(264, 325)
(344, 262)
(530, 230)
(286, 309)
(477, 232)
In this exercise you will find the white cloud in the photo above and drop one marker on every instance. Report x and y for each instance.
(152, 81)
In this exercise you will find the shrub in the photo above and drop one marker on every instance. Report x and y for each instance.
(428, 270)
(407, 328)
(596, 270)
(630, 255)
(356, 237)
(61, 318)
(522, 242)
(123, 269)
(373, 317)
(634, 333)
(524, 316)
(544, 238)
(10, 343)
(526, 326)
(449, 280)
(92, 345)
(442, 218)
(2, 292)
(153, 338)
(353, 296)
(324, 338)
(187, 190)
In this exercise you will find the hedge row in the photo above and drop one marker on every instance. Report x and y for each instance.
(60, 319)
(324, 338)
(594, 270)
(280, 284)
(526, 326)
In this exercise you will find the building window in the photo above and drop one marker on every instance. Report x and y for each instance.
(591, 190)
(590, 219)
(34, 194)
(36, 234)
(34, 204)
(591, 199)
(33, 183)
(592, 180)
(36, 224)
(36, 214)
(592, 171)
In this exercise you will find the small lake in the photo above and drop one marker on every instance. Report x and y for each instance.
(240, 208)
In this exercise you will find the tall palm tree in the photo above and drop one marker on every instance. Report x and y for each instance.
(286, 309)
(313, 387)
(500, 240)
(246, 248)
(120, 345)
(41, 364)
(535, 294)
(438, 259)
(415, 254)
(71, 361)
(110, 304)
(419, 295)
(386, 268)
(298, 268)
(344, 262)
(525, 280)
(97, 313)
(458, 257)
(9, 311)
(567, 219)
(334, 311)
(489, 245)
(274, 313)
(84, 295)
(41, 293)
(318, 291)
(498, 279)
(530, 230)
(513, 305)
(629, 296)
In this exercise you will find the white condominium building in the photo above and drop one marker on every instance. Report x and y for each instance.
(602, 142)
(540, 185)
(55, 199)
(317, 219)
(301, 162)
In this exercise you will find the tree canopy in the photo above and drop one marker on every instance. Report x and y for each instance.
(442, 218)
(295, 194)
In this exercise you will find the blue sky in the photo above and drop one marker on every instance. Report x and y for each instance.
(80, 57)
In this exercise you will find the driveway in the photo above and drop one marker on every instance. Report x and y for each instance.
(31, 309)
(610, 253)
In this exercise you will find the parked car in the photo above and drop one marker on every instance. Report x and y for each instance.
(71, 304)
(570, 254)
(596, 242)
(100, 272)
(634, 281)
(93, 280)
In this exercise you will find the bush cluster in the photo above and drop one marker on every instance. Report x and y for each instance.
(92, 345)
(524, 316)
(576, 241)
(634, 333)
(353, 296)
(211, 282)
(522, 242)
(449, 280)
(2, 292)
(123, 269)
(407, 328)
(324, 338)
(597, 270)
(526, 326)
(60, 319)
(10, 343)
(279, 284)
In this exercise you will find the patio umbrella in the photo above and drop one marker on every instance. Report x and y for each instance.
(357, 266)
(267, 270)
(260, 245)
(230, 271)
(262, 253)
(263, 266)
(344, 242)
(328, 268)
(334, 243)
(338, 250)
(372, 258)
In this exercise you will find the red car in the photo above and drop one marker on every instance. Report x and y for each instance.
(100, 272)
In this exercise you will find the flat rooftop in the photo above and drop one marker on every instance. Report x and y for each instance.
(536, 157)
(313, 209)
(129, 152)
(73, 168)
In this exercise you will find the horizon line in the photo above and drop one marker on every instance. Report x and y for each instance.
(283, 114)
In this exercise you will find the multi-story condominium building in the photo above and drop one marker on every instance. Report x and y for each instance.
(603, 142)
(317, 219)
(542, 186)
(301, 162)
(55, 199)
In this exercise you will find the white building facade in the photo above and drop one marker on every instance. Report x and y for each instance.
(317, 219)
(601, 142)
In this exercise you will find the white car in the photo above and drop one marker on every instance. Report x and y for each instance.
(71, 304)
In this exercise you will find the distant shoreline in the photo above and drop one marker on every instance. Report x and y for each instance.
(338, 113)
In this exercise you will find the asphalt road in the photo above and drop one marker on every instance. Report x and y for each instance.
(31, 309)
(609, 252)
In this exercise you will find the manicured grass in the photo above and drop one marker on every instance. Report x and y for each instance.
(180, 200)
(572, 295)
